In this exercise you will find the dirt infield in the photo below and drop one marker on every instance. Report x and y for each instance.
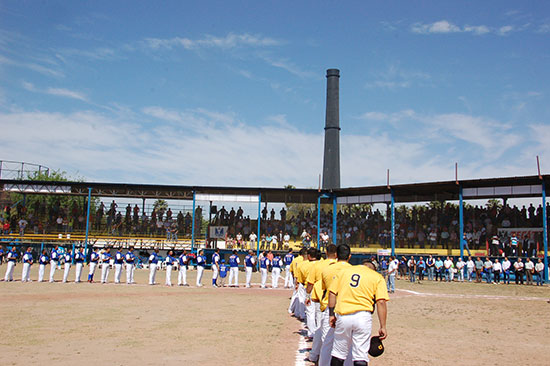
(86, 324)
(428, 324)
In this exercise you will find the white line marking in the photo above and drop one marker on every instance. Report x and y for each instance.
(473, 296)
(302, 347)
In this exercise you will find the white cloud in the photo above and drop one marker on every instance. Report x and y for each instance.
(397, 78)
(446, 27)
(231, 40)
(61, 92)
(505, 30)
(205, 147)
(287, 65)
(441, 26)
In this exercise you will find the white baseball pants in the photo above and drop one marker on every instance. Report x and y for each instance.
(152, 273)
(53, 267)
(78, 272)
(288, 277)
(200, 271)
(105, 268)
(168, 281)
(182, 275)
(9, 271)
(352, 331)
(118, 272)
(66, 271)
(41, 270)
(263, 271)
(248, 275)
(130, 268)
(275, 274)
(234, 276)
(25, 276)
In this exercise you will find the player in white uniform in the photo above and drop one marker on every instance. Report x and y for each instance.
(27, 263)
(289, 257)
(276, 271)
(119, 262)
(264, 263)
(234, 269)
(11, 258)
(153, 262)
(94, 260)
(43, 261)
(79, 264)
(215, 267)
(169, 262)
(68, 257)
(201, 263)
(249, 262)
(54, 261)
(182, 275)
(130, 266)
(105, 265)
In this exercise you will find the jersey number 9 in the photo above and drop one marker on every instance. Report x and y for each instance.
(355, 278)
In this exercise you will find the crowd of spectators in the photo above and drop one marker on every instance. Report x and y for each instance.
(41, 218)
(433, 225)
(499, 270)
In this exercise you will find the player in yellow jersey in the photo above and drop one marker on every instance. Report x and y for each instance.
(329, 275)
(352, 297)
(314, 281)
(302, 272)
(293, 308)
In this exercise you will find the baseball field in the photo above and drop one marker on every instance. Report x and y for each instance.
(428, 324)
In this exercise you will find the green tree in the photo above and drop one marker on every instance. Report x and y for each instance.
(40, 206)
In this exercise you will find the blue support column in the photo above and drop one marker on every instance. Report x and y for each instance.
(193, 226)
(259, 221)
(545, 231)
(334, 218)
(318, 222)
(461, 221)
(74, 248)
(41, 249)
(392, 223)
(87, 223)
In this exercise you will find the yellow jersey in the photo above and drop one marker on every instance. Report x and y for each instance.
(358, 288)
(330, 274)
(317, 269)
(302, 271)
(294, 263)
(317, 292)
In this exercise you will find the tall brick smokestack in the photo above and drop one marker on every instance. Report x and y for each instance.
(331, 161)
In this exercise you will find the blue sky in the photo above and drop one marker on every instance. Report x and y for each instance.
(233, 93)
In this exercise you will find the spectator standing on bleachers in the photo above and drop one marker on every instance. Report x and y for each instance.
(506, 270)
(539, 269)
(519, 269)
(430, 264)
(514, 245)
(529, 269)
(488, 269)
(479, 269)
(439, 269)
(470, 267)
(495, 243)
(497, 269)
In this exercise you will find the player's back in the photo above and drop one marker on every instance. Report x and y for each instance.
(357, 288)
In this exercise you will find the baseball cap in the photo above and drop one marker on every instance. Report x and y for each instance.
(376, 347)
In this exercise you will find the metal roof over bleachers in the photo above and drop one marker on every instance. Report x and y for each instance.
(507, 187)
